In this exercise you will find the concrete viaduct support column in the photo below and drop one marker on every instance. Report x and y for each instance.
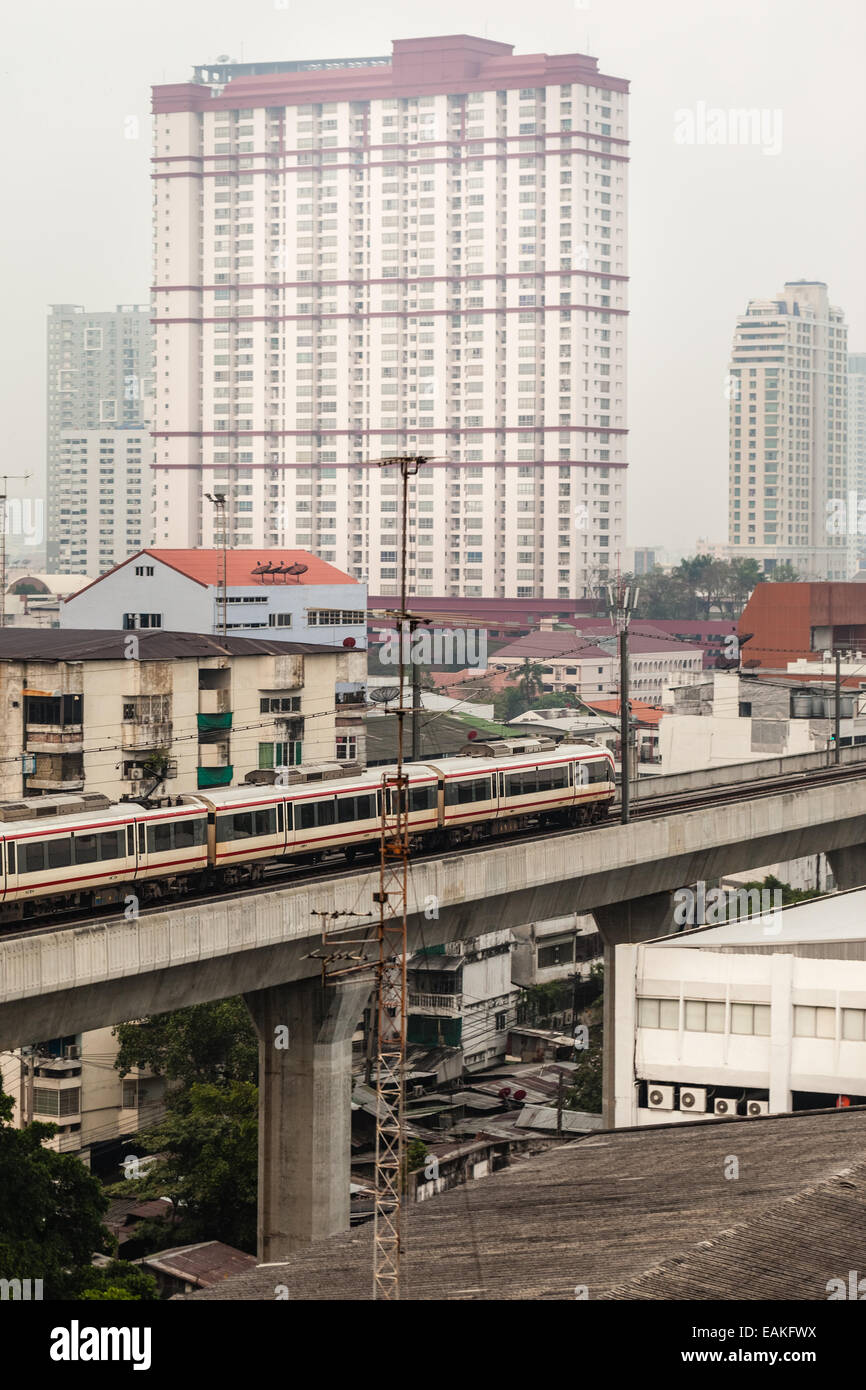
(305, 1080)
(849, 866)
(637, 919)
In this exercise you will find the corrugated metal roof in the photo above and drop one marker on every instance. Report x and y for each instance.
(90, 644)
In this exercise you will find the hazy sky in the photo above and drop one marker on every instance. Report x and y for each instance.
(709, 227)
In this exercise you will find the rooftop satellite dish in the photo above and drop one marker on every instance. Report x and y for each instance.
(223, 58)
(297, 570)
(384, 694)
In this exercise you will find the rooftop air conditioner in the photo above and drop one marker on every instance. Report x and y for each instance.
(136, 772)
(660, 1097)
(724, 1105)
(693, 1098)
(757, 1107)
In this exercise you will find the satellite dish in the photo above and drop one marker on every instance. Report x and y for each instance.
(223, 58)
(348, 641)
(297, 570)
(384, 694)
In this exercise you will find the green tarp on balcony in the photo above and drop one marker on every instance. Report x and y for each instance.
(215, 721)
(215, 776)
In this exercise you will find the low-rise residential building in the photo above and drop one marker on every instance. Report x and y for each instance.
(461, 995)
(71, 1082)
(556, 949)
(759, 1016)
(287, 594)
(121, 713)
(586, 661)
(730, 718)
(789, 622)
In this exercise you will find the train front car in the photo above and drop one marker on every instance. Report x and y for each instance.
(73, 852)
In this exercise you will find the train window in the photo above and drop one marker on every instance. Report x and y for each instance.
(459, 793)
(266, 821)
(32, 857)
(311, 814)
(356, 808)
(422, 798)
(158, 838)
(10, 856)
(111, 844)
(178, 835)
(552, 777)
(130, 840)
(59, 853)
(598, 771)
(521, 783)
(86, 847)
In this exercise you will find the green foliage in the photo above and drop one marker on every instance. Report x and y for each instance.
(51, 1210)
(118, 1280)
(210, 1139)
(789, 894)
(530, 679)
(204, 1043)
(700, 586)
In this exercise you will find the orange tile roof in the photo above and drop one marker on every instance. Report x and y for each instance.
(202, 566)
(644, 713)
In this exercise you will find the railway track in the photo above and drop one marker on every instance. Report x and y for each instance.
(336, 868)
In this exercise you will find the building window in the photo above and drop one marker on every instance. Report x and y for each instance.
(347, 748)
(274, 755)
(814, 1022)
(50, 1102)
(279, 620)
(141, 620)
(500, 1022)
(144, 570)
(279, 704)
(658, 1013)
(335, 617)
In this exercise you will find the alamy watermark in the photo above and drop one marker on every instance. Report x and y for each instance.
(696, 907)
(25, 519)
(712, 125)
(446, 646)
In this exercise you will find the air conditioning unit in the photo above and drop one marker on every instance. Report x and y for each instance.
(724, 1105)
(660, 1097)
(693, 1098)
(136, 773)
(73, 1052)
(757, 1107)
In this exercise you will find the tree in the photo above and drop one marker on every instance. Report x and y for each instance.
(203, 1043)
(51, 1210)
(210, 1168)
(530, 679)
(508, 703)
(117, 1280)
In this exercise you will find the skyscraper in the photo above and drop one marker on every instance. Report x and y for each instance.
(422, 253)
(100, 396)
(787, 390)
(857, 443)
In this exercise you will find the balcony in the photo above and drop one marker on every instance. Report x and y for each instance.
(54, 738)
(145, 735)
(436, 1005)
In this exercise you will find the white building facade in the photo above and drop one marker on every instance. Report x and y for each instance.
(180, 591)
(422, 254)
(788, 457)
(103, 482)
(758, 1017)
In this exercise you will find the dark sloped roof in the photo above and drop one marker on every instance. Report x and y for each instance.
(603, 1211)
(91, 644)
(440, 735)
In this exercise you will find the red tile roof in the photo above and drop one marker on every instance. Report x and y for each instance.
(202, 567)
(641, 711)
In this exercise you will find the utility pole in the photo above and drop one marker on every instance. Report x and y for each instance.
(391, 1000)
(622, 601)
(219, 502)
(4, 479)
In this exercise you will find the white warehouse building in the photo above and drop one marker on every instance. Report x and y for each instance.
(759, 1016)
(269, 593)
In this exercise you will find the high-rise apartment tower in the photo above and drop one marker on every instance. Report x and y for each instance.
(417, 253)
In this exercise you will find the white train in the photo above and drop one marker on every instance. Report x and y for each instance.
(67, 853)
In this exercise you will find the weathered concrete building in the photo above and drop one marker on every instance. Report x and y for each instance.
(108, 711)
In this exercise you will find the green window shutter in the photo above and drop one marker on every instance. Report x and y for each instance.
(266, 755)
